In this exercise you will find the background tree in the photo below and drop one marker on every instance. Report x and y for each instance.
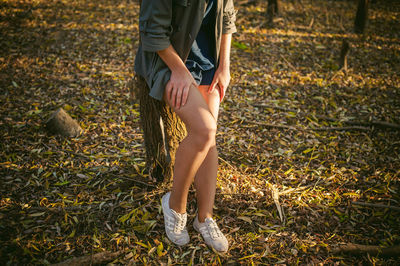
(361, 17)
(272, 10)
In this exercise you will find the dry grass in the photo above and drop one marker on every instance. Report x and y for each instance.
(63, 198)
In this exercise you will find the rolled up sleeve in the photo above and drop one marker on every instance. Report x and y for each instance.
(155, 24)
(229, 18)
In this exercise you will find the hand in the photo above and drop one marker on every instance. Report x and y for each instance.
(221, 81)
(178, 86)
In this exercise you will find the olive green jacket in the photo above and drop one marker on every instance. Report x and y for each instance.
(174, 22)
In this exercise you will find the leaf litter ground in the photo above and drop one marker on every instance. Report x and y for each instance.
(289, 177)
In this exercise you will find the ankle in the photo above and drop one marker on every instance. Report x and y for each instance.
(202, 217)
(178, 207)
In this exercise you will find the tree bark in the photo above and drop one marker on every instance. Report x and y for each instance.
(162, 133)
(361, 16)
(61, 123)
(272, 10)
(175, 132)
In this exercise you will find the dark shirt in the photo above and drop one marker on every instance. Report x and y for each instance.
(201, 61)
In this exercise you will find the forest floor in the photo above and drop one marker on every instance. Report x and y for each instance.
(295, 135)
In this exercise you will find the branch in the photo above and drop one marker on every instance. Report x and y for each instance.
(288, 63)
(315, 129)
(274, 107)
(343, 55)
(355, 249)
(132, 180)
(374, 205)
(385, 124)
(341, 128)
(76, 154)
(275, 126)
(373, 123)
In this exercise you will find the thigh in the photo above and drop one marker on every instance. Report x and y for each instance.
(212, 99)
(196, 114)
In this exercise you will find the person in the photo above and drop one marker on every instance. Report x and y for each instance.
(184, 56)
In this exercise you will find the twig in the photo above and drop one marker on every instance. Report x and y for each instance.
(226, 162)
(235, 194)
(289, 64)
(65, 208)
(344, 52)
(76, 154)
(247, 3)
(93, 155)
(275, 126)
(355, 249)
(291, 190)
(56, 209)
(337, 73)
(311, 23)
(98, 258)
(375, 205)
(314, 129)
(133, 180)
(341, 22)
(376, 123)
(274, 107)
(341, 128)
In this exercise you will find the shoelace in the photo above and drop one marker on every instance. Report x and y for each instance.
(180, 223)
(213, 229)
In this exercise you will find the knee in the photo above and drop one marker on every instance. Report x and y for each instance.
(205, 136)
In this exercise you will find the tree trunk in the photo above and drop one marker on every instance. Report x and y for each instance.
(361, 16)
(175, 132)
(162, 133)
(272, 10)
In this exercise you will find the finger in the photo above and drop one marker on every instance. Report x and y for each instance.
(173, 97)
(179, 98)
(168, 89)
(185, 95)
(221, 92)
(212, 86)
(194, 83)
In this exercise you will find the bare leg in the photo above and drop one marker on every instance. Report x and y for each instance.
(206, 177)
(201, 128)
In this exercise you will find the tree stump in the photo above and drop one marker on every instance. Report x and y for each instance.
(61, 123)
(361, 16)
(162, 132)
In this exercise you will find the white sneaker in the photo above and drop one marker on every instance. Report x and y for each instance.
(175, 223)
(211, 234)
